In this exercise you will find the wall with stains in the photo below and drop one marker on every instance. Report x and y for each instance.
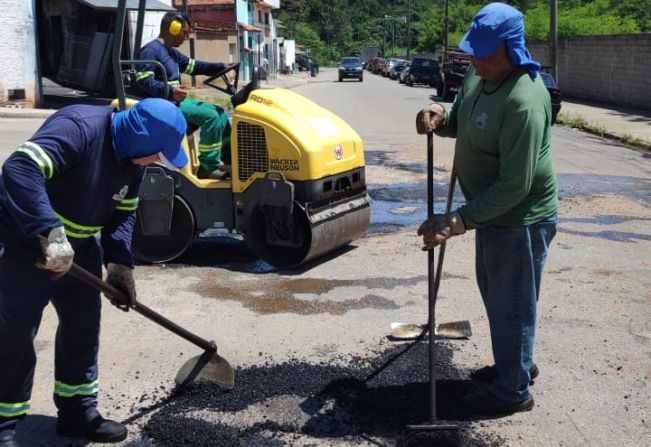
(612, 69)
(18, 70)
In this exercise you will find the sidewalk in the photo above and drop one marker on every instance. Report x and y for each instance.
(618, 121)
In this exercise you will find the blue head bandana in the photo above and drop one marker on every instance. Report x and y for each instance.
(151, 126)
(496, 23)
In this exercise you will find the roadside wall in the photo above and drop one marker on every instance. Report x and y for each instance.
(612, 69)
(18, 74)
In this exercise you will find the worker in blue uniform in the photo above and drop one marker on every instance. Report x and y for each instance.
(215, 129)
(77, 176)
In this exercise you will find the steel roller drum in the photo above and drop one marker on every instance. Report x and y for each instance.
(321, 232)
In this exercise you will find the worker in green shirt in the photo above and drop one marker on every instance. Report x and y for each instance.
(501, 119)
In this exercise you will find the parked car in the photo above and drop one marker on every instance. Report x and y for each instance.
(302, 62)
(404, 72)
(391, 62)
(454, 65)
(554, 92)
(351, 67)
(397, 68)
(423, 71)
(379, 66)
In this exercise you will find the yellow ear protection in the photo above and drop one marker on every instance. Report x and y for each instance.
(176, 26)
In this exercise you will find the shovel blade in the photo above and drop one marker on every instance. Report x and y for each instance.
(207, 367)
(406, 331)
(455, 329)
(452, 330)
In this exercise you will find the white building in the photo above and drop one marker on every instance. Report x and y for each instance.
(68, 41)
(264, 48)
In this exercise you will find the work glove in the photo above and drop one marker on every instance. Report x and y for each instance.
(57, 252)
(121, 277)
(439, 228)
(430, 118)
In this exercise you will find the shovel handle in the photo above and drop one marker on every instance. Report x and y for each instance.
(88, 278)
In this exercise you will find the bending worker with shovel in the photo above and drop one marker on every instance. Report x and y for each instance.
(501, 120)
(78, 175)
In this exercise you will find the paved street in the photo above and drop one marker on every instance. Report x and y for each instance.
(313, 364)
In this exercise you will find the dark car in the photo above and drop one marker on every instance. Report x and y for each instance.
(351, 67)
(554, 92)
(397, 68)
(423, 71)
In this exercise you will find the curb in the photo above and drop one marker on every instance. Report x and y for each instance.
(14, 112)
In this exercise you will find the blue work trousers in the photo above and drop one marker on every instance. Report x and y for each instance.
(24, 292)
(509, 267)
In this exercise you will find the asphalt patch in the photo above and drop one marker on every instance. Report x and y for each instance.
(347, 399)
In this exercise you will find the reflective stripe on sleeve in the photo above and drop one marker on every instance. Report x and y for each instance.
(209, 147)
(76, 230)
(38, 155)
(144, 75)
(189, 69)
(128, 204)
(85, 389)
(173, 83)
(13, 410)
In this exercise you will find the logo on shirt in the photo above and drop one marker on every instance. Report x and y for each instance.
(481, 121)
(122, 194)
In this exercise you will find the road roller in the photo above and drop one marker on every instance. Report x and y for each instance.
(297, 187)
(296, 190)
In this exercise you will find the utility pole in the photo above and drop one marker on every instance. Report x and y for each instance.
(393, 36)
(187, 14)
(408, 28)
(553, 38)
(445, 31)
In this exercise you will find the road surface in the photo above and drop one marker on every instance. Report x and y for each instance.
(314, 366)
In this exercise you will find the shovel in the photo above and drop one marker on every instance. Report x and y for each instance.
(433, 424)
(452, 330)
(207, 367)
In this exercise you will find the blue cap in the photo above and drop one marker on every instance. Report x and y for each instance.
(151, 126)
(494, 24)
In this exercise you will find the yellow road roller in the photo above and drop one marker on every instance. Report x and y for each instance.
(297, 188)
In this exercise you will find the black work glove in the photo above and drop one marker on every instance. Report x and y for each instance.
(439, 228)
(121, 277)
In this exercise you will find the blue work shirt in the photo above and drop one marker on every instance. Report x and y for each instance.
(149, 77)
(68, 174)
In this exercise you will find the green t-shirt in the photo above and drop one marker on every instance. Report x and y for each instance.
(502, 154)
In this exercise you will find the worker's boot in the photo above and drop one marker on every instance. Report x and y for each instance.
(489, 374)
(92, 426)
(8, 439)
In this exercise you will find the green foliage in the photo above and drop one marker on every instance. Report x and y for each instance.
(330, 29)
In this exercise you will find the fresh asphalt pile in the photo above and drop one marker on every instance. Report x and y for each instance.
(349, 399)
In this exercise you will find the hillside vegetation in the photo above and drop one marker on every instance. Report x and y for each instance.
(330, 29)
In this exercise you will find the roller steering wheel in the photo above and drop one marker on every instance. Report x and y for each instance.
(230, 89)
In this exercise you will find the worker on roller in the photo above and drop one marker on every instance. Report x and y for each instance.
(215, 130)
(76, 177)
